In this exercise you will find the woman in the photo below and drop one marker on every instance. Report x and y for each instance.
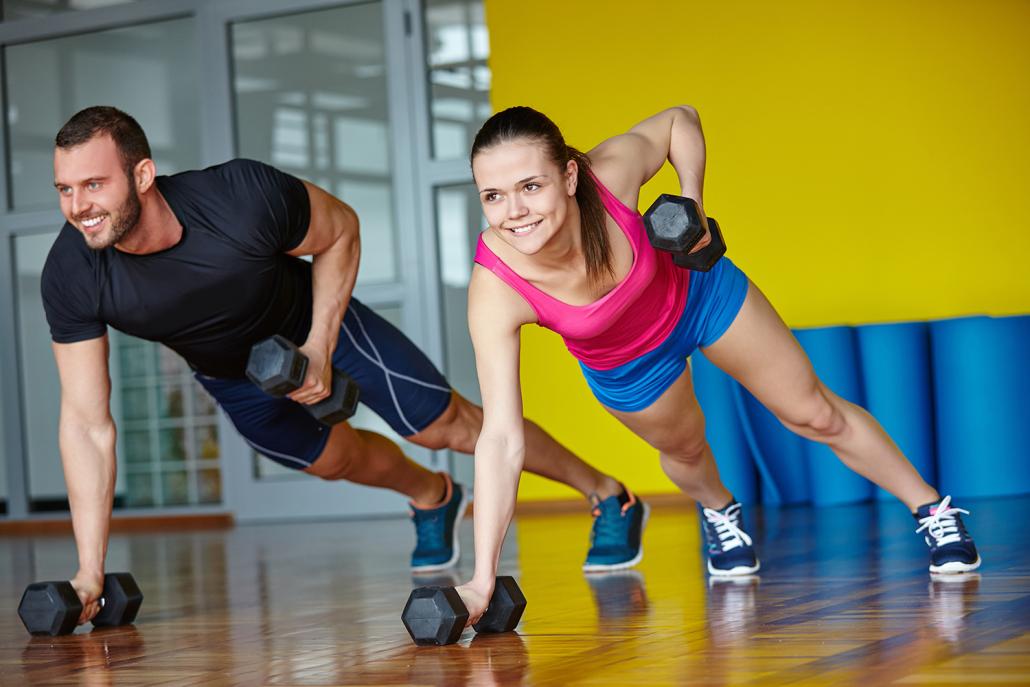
(567, 250)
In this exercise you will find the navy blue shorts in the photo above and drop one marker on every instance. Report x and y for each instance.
(397, 381)
(713, 300)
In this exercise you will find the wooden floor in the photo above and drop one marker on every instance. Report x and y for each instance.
(843, 598)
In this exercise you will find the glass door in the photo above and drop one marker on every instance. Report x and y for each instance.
(320, 94)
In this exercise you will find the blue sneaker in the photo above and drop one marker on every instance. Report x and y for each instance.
(616, 537)
(729, 547)
(951, 548)
(436, 530)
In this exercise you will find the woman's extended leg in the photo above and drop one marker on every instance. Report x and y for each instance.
(760, 352)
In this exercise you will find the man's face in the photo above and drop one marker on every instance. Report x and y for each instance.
(97, 197)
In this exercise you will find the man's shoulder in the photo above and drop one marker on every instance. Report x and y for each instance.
(205, 177)
(237, 178)
(242, 169)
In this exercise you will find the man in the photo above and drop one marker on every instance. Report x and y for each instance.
(207, 262)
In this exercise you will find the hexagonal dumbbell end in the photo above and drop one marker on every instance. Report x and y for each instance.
(49, 608)
(342, 402)
(506, 607)
(435, 615)
(674, 223)
(276, 365)
(122, 599)
(705, 259)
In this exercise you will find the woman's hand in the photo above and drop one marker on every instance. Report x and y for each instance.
(706, 238)
(476, 598)
(89, 587)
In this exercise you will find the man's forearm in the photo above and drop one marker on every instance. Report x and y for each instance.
(88, 456)
(333, 274)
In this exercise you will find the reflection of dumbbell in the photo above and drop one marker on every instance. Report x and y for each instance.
(437, 615)
(278, 367)
(53, 608)
(675, 224)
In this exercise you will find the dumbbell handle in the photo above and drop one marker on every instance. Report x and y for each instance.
(303, 363)
(344, 393)
(100, 599)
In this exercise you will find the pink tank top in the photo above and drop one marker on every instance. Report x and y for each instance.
(633, 318)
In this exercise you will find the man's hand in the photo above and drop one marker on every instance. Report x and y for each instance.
(318, 380)
(476, 599)
(89, 587)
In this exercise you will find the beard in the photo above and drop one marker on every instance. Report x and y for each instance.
(123, 223)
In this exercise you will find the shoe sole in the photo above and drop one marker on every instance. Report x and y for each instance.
(455, 544)
(954, 567)
(734, 572)
(600, 567)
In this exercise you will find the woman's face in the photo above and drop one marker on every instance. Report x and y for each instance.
(525, 196)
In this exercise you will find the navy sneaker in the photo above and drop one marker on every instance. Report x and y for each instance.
(616, 540)
(436, 530)
(951, 548)
(729, 547)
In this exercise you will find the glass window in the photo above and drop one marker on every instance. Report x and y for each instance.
(457, 47)
(459, 222)
(3, 451)
(168, 438)
(310, 92)
(41, 390)
(150, 71)
(20, 9)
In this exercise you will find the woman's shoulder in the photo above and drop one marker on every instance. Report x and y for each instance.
(494, 300)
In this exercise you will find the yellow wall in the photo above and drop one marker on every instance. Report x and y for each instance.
(868, 161)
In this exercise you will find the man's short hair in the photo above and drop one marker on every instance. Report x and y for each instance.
(126, 132)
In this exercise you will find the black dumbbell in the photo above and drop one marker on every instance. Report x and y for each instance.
(675, 224)
(437, 615)
(53, 608)
(278, 367)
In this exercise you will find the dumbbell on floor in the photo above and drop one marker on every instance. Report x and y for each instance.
(675, 224)
(53, 608)
(278, 367)
(437, 615)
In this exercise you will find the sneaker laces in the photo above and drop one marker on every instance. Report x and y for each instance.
(610, 527)
(725, 524)
(941, 523)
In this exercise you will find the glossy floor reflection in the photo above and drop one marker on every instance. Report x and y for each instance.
(843, 598)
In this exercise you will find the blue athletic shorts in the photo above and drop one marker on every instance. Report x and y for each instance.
(397, 381)
(713, 300)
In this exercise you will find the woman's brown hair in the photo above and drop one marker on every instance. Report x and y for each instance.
(525, 123)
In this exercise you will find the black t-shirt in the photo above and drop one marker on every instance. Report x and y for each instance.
(225, 285)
